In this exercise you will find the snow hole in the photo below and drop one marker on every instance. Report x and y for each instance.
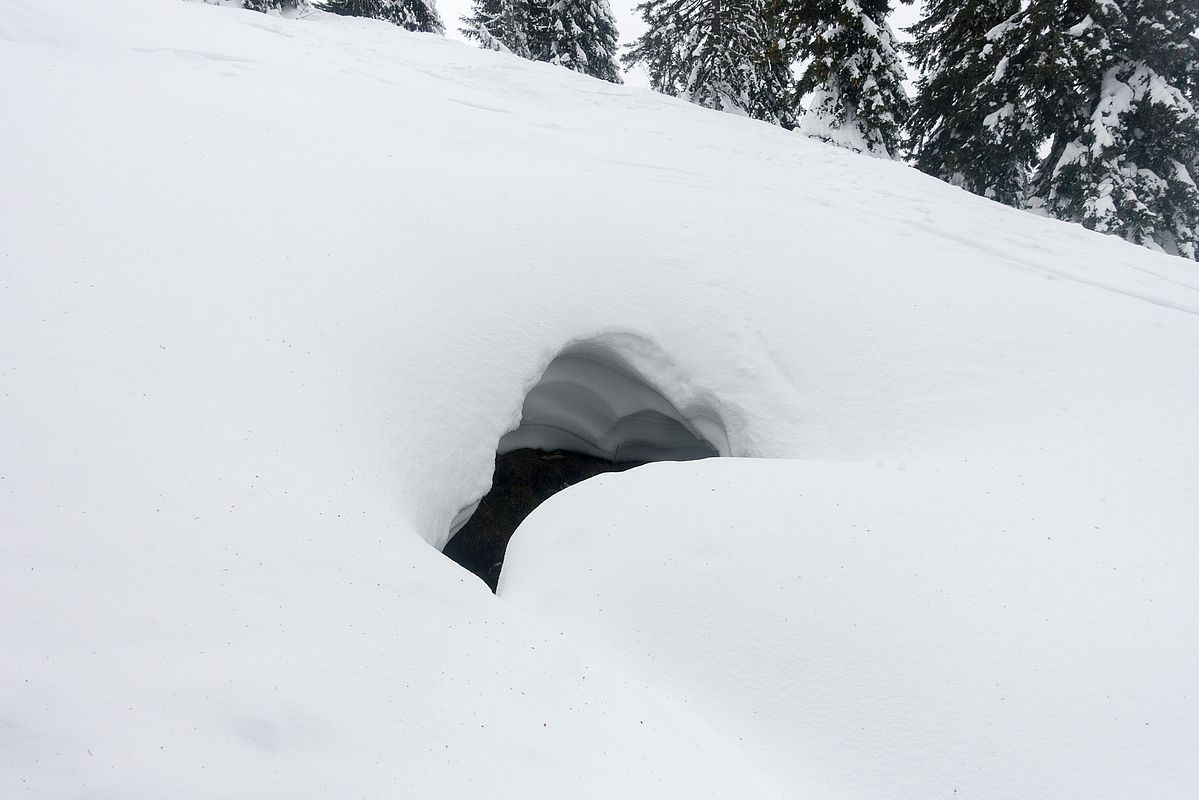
(591, 412)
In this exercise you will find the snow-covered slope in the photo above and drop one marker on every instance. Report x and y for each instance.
(875, 633)
(273, 290)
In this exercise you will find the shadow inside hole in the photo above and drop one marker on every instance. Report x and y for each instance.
(590, 412)
(523, 480)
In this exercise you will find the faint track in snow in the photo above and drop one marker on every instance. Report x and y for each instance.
(204, 54)
(1074, 277)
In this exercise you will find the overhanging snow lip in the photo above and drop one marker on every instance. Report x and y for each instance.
(622, 376)
(634, 361)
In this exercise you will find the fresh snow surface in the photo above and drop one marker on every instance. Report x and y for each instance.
(272, 292)
(871, 632)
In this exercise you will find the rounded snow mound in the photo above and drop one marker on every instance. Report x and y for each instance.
(891, 633)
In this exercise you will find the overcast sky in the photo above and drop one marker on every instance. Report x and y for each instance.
(630, 24)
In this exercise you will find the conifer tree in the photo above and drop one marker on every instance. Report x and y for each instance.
(501, 25)
(1192, 79)
(1106, 82)
(775, 100)
(715, 53)
(968, 122)
(1055, 52)
(267, 6)
(577, 34)
(851, 70)
(414, 15)
(582, 37)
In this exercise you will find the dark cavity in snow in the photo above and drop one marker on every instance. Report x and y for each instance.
(590, 413)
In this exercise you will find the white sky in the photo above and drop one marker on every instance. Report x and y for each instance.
(630, 25)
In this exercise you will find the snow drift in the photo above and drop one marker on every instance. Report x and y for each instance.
(273, 293)
(880, 633)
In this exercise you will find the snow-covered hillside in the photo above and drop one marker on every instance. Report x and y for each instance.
(872, 632)
(272, 291)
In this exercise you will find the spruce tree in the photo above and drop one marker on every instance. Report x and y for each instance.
(267, 6)
(582, 37)
(577, 34)
(968, 124)
(851, 70)
(774, 99)
(1192, 79)
(1055, 51)
(414, 15)
(500, 25)
(1107, 85)
(715, 53)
